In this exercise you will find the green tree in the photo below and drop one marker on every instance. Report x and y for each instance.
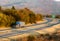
(0, 9)
(13, 8)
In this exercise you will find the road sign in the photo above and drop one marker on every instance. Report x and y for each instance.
(53, 16)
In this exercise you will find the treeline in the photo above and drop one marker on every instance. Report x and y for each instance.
(50, 16)
(11, 15)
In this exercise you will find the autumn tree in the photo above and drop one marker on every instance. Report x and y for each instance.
(30, 15)
(25, 15)
(12, 13)
(39, 17)
(6, 20)
(32, 18)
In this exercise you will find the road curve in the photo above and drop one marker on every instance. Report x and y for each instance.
(29, 30)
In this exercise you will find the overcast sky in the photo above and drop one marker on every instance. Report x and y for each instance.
(39, 6)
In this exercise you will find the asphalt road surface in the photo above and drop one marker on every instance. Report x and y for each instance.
(14, 32)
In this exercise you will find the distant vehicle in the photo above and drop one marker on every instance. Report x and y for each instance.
(13, 25)
(20, 24)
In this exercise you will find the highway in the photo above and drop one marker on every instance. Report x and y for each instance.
(48, 20)
(29, 29)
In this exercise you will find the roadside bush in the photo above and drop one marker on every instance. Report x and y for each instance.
(31, 38)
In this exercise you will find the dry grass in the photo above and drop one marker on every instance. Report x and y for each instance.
(34, 37)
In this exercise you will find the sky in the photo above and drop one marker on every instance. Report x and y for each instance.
(38, 6)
